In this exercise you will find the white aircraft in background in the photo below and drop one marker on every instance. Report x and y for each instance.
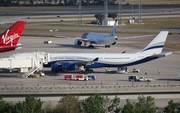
(101, 38)
(86, 61)
(98, 38)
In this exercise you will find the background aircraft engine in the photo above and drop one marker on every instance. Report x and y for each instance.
(63, 67)
(113, 43)
(77, 42)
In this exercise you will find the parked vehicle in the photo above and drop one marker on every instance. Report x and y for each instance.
(48, 42)
(145, 79)
(80, 77)
(133, 78)
(136, 70)
(91, 77)
(68, 76)
(122, 70)
(136, 78)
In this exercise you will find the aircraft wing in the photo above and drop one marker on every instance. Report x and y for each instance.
(93, 41)
(82, 63)
(137, 36)
(163, 54)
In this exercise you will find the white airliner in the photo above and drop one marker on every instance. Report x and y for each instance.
(98, 38)
(86, 61)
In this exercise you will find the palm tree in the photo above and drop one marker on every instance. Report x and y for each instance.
(99, 17)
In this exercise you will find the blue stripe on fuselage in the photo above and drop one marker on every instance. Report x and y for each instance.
(98, 65)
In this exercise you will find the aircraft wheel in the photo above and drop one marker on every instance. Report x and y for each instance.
(86, 72)
(80, 72)
(90, 71)
(107, 46)
(91, 46)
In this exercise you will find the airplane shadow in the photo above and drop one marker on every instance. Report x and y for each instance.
(75, 46)
(169, 79)
(4, 75)
(49, 73)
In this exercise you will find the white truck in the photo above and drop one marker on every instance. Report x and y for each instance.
(48, 42)
(136, 78)
(145, 79)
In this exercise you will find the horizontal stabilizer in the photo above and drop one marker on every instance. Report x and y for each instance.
(164, 54)
(139, 36)
(96, 59)
(123, 52)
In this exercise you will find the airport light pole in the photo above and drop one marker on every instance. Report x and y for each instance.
(105, 12)
(132, 9)
(120, 8)
(140, 12)
(80, 12)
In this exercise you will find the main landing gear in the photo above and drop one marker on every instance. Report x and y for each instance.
(107, 46)
(86, 71)
(91, 46)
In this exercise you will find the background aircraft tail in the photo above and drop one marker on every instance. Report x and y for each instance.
(113, 31)
(11, 35)
(157, 44)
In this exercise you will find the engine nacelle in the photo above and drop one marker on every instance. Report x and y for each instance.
(113, 43)
(77, 42)
(57, 67)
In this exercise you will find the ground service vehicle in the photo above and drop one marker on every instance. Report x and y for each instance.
(145, 79)
(136, 70)
(133, 78)
(80, 77)
(48, 42)
(68, 76)
(136, 78)
(91, 77)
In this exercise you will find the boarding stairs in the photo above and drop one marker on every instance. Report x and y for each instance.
(31, 72)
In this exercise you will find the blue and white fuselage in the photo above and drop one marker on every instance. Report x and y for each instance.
(104, 59)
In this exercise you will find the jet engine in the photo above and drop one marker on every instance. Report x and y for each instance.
(113, 43)
(57, 67)
(77, 42)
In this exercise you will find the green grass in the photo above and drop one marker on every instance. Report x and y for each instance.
(170, 22)
(156, 23)
(148, 23)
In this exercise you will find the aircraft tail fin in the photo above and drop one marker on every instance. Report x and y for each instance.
(11, 35)
(113, 31)
(157, 44)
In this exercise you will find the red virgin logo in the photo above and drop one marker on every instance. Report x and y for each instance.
(9, 39)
